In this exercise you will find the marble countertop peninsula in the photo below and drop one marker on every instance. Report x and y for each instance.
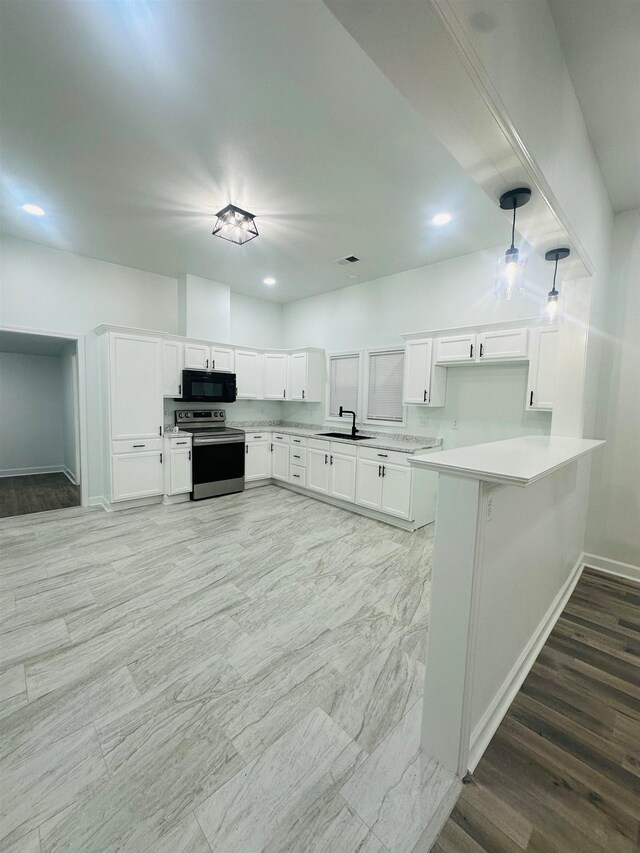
(380, 440)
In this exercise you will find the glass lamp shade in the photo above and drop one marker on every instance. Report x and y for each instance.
(510, 276)
(235, 225)
(551, 308)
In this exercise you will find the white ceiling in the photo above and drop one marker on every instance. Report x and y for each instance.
(601, 43)
(131, 123)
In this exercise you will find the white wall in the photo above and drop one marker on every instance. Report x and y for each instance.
(69, 399)
(613, 529)
(31, 413)
(488, 401)
(45, 289)
(255, 322)
(204, 309)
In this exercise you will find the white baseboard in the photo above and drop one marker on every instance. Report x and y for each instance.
(491, 719)
(612, 567)
(25, 472)
(70, 475)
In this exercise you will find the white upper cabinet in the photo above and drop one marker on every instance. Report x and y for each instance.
(542, 368)
(249, 375)
(135, 386)
(221, 358)
(508, 345)
(275, 376)
(306, 376)
(424, 384)
(172, 361)
(455, 349)
(197, 356)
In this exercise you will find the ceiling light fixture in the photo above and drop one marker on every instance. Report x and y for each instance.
(442, 219)
(269, 281)
(33, 209)
(235, 224)
(551, 308)
(511, 268)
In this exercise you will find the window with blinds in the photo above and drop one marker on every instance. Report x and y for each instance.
(344, 376)
(384, 397)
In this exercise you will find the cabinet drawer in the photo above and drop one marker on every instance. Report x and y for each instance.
(134, 446)
(178, 442)
(298, 455)
(318, 444)
(344, 448)
(281, 438)
(383, 457)
(258, 436)
(298, 440)
(298, 475)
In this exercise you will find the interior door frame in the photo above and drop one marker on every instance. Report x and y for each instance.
(80, 389)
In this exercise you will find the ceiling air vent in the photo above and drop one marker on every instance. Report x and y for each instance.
(350, 259)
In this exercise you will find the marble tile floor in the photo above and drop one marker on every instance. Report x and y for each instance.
(243, 674)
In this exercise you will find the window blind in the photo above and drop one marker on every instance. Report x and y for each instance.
(344, 376)
(384, 400)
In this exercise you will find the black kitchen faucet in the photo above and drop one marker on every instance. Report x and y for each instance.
(353, 426)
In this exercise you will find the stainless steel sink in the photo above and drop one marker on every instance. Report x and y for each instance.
(345, 435)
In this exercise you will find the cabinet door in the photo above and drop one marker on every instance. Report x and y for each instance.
(318, 470)
(542, 368)
(257, 460)
(135, 387)
(503, 346)
(197, 357)
(180, 471)
(417, 371)
(172, 356)
(342, 477)
(222, 358)
(298, 363)
(455, 349)
(136, 475)
(248, 375)
(280, 462)
(369, 484)
(396, 490)
(274, 385)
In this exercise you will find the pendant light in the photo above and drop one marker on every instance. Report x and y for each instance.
(511, 269)
(551, 308)
(235, 224)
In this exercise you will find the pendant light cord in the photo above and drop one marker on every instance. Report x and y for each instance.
(513, 225)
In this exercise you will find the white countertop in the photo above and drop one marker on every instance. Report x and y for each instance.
(516, 461)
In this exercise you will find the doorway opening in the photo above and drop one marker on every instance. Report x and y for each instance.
(39, 423)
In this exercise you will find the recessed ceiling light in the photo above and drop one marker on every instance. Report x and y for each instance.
(33, 209)
(269, 281)
(441, 218)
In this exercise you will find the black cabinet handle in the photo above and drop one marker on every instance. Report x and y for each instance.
(481, 348)
(383, 455)
(181, 442)
(303, 395)
(471, 352)
(189, 456)
(161, 458)
(295, 457)
(213, 363)
(207, 364)
(297, 475)
(284, 393)
(139, 445)
(272, 447)
(326, 458)
(246, 448)
(379, 470)
(384, 470)
(424, 399)
(330, 460)
(531, 399)
(159, 430)
(179, 389)
(257, 436)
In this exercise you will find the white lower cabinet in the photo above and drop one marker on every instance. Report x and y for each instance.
(385, 482)
(318, 469)
(136, 475)
(280, 461)
(179, 471)
(257, 460)
(369, 484)
(342, 476)
(396, 490)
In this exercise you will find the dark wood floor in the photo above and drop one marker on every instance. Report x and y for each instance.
(36, 493)
(562, 773)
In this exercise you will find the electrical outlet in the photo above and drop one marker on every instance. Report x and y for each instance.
(455, 425)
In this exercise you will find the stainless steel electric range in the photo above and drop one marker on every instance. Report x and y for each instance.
(217, 460)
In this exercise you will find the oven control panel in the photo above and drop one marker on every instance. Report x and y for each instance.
(201, 417)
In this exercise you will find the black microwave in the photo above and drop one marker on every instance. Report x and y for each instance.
(208, 386)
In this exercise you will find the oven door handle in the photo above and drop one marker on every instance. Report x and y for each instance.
(200, 442)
